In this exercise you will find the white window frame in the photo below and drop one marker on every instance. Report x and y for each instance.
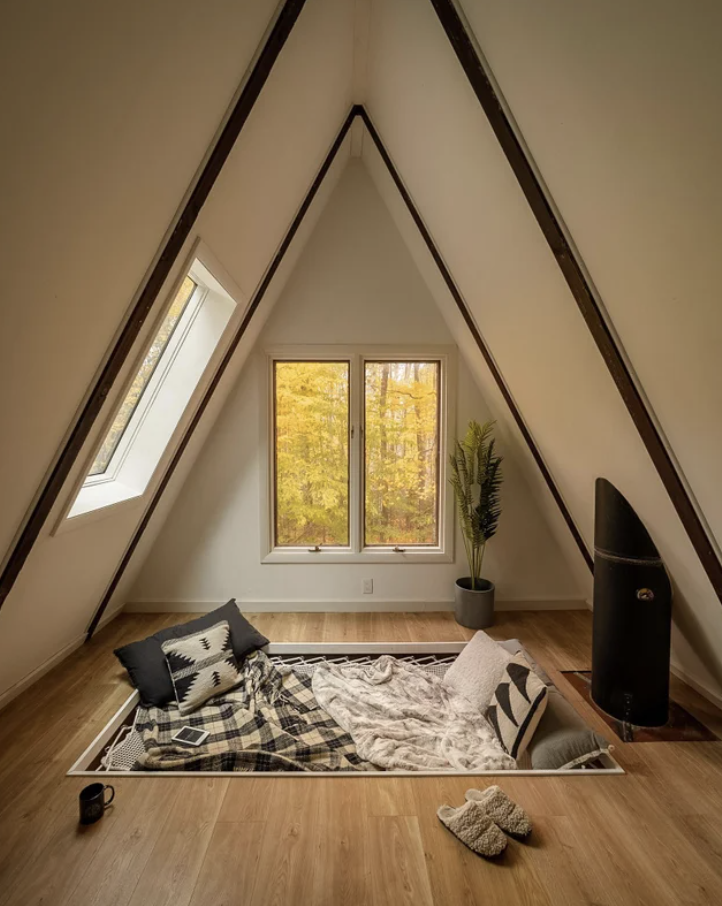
(355, 552)
(112, 493)
(145, 405)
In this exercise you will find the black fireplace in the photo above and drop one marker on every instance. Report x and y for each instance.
(632, 615)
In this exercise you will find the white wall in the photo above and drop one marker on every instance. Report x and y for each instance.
(355, 283)
(451, 162)
(264, 182)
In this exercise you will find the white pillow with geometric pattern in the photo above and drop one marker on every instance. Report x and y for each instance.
(517, 706)
(201, 665)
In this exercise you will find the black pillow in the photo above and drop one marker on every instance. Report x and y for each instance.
(146, 663)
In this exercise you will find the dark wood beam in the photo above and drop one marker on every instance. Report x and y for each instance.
(219, 154)
(220, 371)
(574, 274)
(478, 339)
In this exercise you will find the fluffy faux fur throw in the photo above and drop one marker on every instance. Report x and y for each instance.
(402, 717)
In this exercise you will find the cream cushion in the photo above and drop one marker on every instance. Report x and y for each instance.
(477, 671)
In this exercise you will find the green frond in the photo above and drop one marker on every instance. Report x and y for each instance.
(476, 477)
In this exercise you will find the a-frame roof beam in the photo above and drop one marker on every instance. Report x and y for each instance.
(574, 273)
(148, 293)
(356, 111)
(478, 339)
(225, 362)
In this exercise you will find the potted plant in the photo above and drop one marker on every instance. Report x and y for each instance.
(476, 478)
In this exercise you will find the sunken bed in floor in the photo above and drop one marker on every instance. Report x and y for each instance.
(118, 748)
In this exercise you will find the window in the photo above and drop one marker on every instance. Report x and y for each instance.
(357, 442)
(401, 453)
(311, 401)
(164, 382)
(142, 379)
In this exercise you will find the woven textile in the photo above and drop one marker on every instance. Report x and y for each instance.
(271, 721)
(201, 665)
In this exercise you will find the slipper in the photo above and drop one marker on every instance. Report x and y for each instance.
(502, 810)
(474, 828)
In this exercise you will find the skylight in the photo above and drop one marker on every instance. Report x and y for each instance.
(142, 378)
(165, 385)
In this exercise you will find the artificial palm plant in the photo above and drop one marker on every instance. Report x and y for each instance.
(476, 478)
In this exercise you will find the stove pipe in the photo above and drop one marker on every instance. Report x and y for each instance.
(632, 615)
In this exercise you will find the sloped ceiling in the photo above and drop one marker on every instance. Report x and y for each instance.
(111, 110)
(453, 167)
(618, 104)
(306, 97)
(126, 132)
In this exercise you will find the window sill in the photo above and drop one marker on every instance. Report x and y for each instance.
(372, 556)
(98, 496)
(96, 502)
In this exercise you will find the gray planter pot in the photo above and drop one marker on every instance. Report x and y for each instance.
(474, 609)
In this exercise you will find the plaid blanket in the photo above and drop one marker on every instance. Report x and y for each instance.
(270, 722)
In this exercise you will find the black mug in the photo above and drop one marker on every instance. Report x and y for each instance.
(93, 802)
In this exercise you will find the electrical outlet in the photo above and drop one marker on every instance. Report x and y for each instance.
(368, 586)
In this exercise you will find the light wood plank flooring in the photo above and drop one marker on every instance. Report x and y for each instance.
(653, 836)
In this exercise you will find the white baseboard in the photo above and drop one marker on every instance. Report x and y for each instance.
(22, 684)
(103, 622)
(541, 604)
(34, 675)
(350, 605)
(316, 605)
(714, 697)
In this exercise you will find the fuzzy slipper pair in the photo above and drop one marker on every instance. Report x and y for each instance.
(483, 821)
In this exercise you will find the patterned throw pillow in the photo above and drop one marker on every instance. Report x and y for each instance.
(517, 706)
(201, 665)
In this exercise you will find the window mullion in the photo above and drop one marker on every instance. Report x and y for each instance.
(356, 456)
(360, 462)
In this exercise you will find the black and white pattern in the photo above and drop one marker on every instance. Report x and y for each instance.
(517, 706)
(201, 665)
(270, 722)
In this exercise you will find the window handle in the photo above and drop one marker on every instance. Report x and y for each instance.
(314, 550)
(399, 550)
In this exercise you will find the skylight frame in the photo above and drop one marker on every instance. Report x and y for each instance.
(161, 364)
(112, 490)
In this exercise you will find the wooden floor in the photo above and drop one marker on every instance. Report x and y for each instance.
(653, 836)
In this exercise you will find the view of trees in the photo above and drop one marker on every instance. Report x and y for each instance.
(312, 437)
(145, 373)
(400, 456)
(401, 452)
